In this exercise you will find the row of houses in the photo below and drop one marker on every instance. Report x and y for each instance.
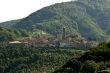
(52, 41)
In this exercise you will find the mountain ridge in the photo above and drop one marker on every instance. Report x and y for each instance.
(88, 18)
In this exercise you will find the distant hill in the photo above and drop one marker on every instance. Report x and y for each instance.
(11, 34)
(9, 24)
(88, 18)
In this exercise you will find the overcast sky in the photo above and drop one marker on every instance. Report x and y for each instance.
(16, 9)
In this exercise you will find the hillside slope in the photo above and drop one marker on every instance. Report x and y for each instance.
(11, 34)
(96, 60)
(9, 24)
(88, 18)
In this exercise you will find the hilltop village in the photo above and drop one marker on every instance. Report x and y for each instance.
(58, 41)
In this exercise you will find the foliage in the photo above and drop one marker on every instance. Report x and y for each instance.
(10, 35)
(88, 18)
(32, 60)
(96, 60)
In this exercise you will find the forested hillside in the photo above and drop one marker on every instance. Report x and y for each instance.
(32, 60)
(96, 60)
(9, 24)
(11, 34)
(88, 18)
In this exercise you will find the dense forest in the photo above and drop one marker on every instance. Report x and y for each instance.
(12, 34)
(88, 18)
(23, 59)
(96, 60)
(32, 60)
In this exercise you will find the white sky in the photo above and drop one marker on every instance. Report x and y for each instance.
(16, 9)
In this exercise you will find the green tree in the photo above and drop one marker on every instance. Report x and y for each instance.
(90, 67)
